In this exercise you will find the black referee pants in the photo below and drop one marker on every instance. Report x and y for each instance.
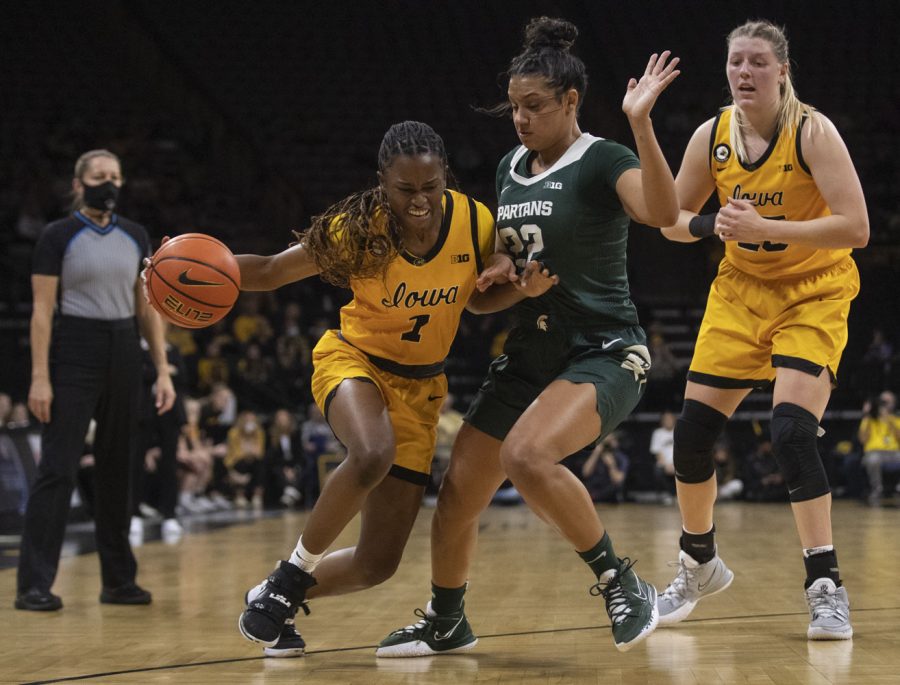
(95, 371)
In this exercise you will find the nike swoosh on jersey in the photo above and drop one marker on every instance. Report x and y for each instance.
(187, 280)
(608, 343)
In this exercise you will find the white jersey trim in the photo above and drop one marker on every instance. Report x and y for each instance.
(573, 154)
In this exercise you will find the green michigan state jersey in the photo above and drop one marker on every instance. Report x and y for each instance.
(570, 218)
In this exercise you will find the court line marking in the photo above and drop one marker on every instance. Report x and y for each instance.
(215, 662)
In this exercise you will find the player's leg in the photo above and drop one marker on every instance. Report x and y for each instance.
(360, 420)
(388, 515)
(798, 404)
(563, 419)
(701, 573)
(466, 491)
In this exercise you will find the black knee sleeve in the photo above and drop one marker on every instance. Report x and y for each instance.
(794, 432)
(696, 432)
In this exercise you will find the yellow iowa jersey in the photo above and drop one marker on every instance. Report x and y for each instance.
(780, 186)
(412, 315)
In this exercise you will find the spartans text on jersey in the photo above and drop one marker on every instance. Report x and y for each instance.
(524, 209)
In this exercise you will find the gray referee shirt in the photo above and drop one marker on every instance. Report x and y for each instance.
(97, 266)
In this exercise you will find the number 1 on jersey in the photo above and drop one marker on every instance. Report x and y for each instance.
(418, 321)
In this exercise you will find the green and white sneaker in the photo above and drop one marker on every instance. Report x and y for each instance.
(693, 582)
(829, 611)
(431, 635)
(630, 603)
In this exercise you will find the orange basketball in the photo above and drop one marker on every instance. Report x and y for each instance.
(193, 280)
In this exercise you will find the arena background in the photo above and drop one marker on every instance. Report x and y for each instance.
(242, 119)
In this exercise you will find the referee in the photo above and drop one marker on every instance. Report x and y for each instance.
(86, 363)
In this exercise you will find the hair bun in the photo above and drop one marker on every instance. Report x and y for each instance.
(546, 32)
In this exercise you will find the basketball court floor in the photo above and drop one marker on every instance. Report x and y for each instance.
(528, 603)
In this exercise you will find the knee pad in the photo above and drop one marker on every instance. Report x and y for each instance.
(794, 432)
(696, 432)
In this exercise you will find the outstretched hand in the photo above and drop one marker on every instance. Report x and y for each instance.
(640, 96)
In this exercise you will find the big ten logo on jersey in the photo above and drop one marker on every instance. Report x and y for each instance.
(553, 185)
(459, 258)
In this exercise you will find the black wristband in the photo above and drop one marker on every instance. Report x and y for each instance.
(703, 225)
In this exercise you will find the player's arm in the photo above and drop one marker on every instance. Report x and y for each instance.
(40, 394)
(534, 281)
(154, 331)
(272, 272)
(829, 162)
(648, 193)
(694, 184)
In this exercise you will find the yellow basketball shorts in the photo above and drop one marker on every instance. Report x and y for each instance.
(412, 403)
(752, 326)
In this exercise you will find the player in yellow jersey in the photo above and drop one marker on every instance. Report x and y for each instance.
(411, 251)
(791, 211)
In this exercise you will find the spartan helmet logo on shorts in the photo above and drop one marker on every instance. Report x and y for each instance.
(542, 323)
(722, 153)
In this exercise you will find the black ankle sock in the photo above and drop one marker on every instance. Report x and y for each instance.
(447, 600)
(822, 565)
(601, 557)
(702, 548)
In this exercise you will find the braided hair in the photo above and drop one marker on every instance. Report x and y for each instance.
(359, 236)
(546, 53)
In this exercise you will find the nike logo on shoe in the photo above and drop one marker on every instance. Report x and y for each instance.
(702, 586)
(187, 280)
(599, 556)
(439, 637)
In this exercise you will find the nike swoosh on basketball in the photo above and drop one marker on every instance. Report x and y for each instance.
(187, 280)
(608, 343)
(438, 636)
(431, 398)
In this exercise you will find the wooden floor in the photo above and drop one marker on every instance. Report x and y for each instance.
(528, 602)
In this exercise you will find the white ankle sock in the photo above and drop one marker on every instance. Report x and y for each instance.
(817, 550)
(304, 559)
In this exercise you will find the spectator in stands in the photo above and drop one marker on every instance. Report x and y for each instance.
(212, 367)
(283, 462)
(667, 380)
(250, 324)
(879, 434)
(605, 470)
(86, 362)
(727, 481)
(216, 419)
(5, 408)
(662, 443)
(876, 363)
(195, 460)
(244, 460)
(791, 211)
(762, 478)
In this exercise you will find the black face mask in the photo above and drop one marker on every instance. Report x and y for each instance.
(102, 197)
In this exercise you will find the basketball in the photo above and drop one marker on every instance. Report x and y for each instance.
(193, 280)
